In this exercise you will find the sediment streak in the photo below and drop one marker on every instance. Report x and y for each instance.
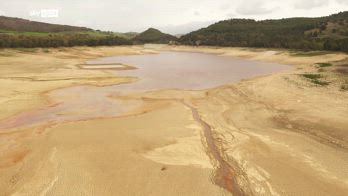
(224, 174)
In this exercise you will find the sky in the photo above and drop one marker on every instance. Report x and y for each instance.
(170, 16)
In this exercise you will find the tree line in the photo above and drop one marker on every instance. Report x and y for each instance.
(60, 40)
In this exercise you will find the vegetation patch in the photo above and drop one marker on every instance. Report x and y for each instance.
(61, 39)
(324, 64)
(309, 53)
(314, 78)
(320, 82)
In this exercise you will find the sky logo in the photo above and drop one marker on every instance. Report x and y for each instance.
(45, 13)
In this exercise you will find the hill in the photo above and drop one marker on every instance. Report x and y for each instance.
(323, 33)
(154, 36)
(16, 32)
(18, 24)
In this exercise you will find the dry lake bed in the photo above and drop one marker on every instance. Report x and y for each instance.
(172, 120)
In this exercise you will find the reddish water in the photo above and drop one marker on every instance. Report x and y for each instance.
(167, 70)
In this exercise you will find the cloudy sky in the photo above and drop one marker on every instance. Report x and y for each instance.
(171, 16)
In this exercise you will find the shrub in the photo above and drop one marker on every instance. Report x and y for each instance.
(312, 76)
(324, 64)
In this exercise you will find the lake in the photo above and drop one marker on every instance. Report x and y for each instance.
(166, 70)
(187, 70)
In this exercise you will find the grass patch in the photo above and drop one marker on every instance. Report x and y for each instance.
(324, 64)
(309, 53)
(320, 82)
(314, 78)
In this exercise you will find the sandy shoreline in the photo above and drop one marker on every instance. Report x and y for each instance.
(280, 133)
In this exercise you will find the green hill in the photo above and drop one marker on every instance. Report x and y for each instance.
(154, 36)
(323, 33)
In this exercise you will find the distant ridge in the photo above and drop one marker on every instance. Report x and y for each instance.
(322, 33)
(153, 35)
(18, 24)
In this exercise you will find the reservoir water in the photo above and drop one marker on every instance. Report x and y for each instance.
(187, 70)
(166, 70)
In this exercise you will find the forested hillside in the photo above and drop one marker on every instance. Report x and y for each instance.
(324, 33)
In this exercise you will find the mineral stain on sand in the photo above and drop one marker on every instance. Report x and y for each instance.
(224, 174)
